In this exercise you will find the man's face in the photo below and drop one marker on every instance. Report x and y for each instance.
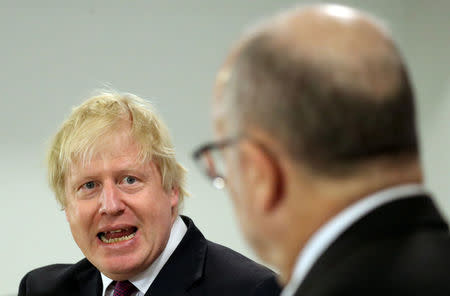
(236, 185)
(119, 214)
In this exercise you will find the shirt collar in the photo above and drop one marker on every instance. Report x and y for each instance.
(143, 280)
(329, 232)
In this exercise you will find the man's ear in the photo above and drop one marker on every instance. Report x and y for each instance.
(263, 176)
(67, 213)
(174, 197)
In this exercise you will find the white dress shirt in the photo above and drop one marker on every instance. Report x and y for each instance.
(143, 280)
(330, 231)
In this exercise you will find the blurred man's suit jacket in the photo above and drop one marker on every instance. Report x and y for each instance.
(400, 248)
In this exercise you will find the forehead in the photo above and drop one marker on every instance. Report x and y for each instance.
(219, 117)
(220, 106)
(117, 148)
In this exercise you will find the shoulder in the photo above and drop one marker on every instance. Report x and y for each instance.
(54, 279)
(219, 256)
(236, 272)
(417, 264)
(221, 270)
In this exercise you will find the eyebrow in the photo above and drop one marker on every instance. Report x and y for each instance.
(124, 171)
(74, 183)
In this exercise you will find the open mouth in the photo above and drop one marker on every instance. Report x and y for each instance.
(117, 235)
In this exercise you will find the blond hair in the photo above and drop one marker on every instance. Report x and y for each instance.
(100, 115)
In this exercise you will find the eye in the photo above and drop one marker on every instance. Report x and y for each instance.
(130, 180)
(89, 185)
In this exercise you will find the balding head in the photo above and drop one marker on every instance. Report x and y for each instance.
(340, 38)
(323, 108)
(327, 83)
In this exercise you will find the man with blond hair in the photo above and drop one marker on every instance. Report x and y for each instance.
(314, 117)
(112, 167)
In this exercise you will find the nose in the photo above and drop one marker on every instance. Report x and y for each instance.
(110, 200)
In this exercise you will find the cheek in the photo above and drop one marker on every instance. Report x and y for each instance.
(72, 214)
(79, 217)
(76, 227)
(232, 170)
(237, 183)
(155, 209)
(238, 192)
(241, 193)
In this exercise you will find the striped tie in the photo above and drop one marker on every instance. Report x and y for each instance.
(124, 288)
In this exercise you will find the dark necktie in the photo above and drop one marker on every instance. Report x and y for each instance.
(124, 288)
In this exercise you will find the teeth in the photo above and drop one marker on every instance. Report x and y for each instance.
(114, 231)
(117, 239)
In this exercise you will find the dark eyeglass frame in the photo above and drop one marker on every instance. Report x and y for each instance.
(219, 145)
(217, 179)
(214, 146)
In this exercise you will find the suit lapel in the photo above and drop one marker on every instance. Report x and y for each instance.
(404, 215)
(185, 265)
(89, 280)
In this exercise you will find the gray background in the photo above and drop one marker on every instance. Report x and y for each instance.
(54, 53)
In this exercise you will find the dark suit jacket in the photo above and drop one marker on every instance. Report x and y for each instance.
(400, 248)
(197, 267)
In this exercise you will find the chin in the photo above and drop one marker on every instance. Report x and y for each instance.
(121, 269)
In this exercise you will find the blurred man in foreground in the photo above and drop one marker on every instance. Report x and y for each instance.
(113, 169)
(314, 118)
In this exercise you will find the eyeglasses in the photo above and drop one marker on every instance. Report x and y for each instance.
(209, 158)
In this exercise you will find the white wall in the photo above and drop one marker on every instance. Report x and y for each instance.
(54, 53)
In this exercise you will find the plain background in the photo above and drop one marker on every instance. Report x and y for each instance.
(53, 54)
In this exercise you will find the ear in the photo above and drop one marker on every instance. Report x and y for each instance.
(174, 198)
(67, 215)
(263, 175)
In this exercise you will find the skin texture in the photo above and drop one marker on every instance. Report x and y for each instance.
(114, 190)
(279, 203)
